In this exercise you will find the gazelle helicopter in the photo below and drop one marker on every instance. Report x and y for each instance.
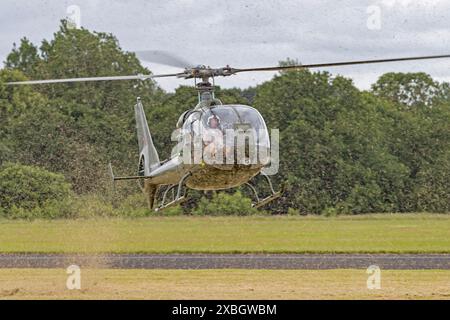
(207, 157)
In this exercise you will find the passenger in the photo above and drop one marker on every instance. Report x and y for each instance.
(214, 122)
(213, 141)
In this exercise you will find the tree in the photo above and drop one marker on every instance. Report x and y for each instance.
(25, 58)
(333, 150)
(412, 90)
(433, 185)
(88, 124)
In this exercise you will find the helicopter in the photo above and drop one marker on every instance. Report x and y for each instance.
(219, 146)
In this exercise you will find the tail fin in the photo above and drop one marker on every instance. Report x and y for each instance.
(148, 156)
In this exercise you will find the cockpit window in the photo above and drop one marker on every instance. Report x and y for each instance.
(235, 117)
(192, 123)
(236, 132)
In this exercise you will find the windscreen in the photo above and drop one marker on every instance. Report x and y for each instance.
(236, 118)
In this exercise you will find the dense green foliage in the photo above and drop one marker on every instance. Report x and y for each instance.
(225, 204)
(29, 187)
(342, 150)
(348, 151)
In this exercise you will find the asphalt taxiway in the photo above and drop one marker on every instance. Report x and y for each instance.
(228, 261)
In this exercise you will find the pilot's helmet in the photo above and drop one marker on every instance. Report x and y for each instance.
(214, 122)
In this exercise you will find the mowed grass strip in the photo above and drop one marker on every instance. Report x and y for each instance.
(394, 233)
(224, 284)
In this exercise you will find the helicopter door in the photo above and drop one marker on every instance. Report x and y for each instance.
(189, 136)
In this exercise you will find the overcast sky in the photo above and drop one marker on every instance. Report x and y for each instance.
(253, 33)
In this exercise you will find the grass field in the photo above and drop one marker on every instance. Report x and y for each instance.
(223, 284)
(395, 233)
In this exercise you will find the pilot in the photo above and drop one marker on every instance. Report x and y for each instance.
(214, 122)
(213, 139)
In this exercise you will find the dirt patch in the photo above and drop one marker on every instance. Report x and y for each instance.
(224, 284)
(9, 293)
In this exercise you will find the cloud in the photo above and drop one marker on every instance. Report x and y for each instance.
(253, 33)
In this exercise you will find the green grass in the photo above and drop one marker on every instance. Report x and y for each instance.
(396, 233)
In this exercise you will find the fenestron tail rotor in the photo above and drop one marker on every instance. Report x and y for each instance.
(204, 72)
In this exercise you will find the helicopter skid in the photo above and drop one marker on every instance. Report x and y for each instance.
(171, 204)
(273, 195)
(177, 198)
(266, 200)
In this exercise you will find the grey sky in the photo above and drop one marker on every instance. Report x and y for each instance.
(253, 33)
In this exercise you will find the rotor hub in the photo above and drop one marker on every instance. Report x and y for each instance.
(205, 72)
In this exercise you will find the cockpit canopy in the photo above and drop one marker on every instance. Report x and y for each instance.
(228, 117)
(236, 131)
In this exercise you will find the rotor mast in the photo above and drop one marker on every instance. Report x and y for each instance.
(204, 87)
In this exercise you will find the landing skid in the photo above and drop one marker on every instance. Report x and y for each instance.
(177, 198)
(273, 196)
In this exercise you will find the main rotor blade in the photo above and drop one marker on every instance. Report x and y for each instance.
(90, 79)
(337, 64)
(163, 57)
